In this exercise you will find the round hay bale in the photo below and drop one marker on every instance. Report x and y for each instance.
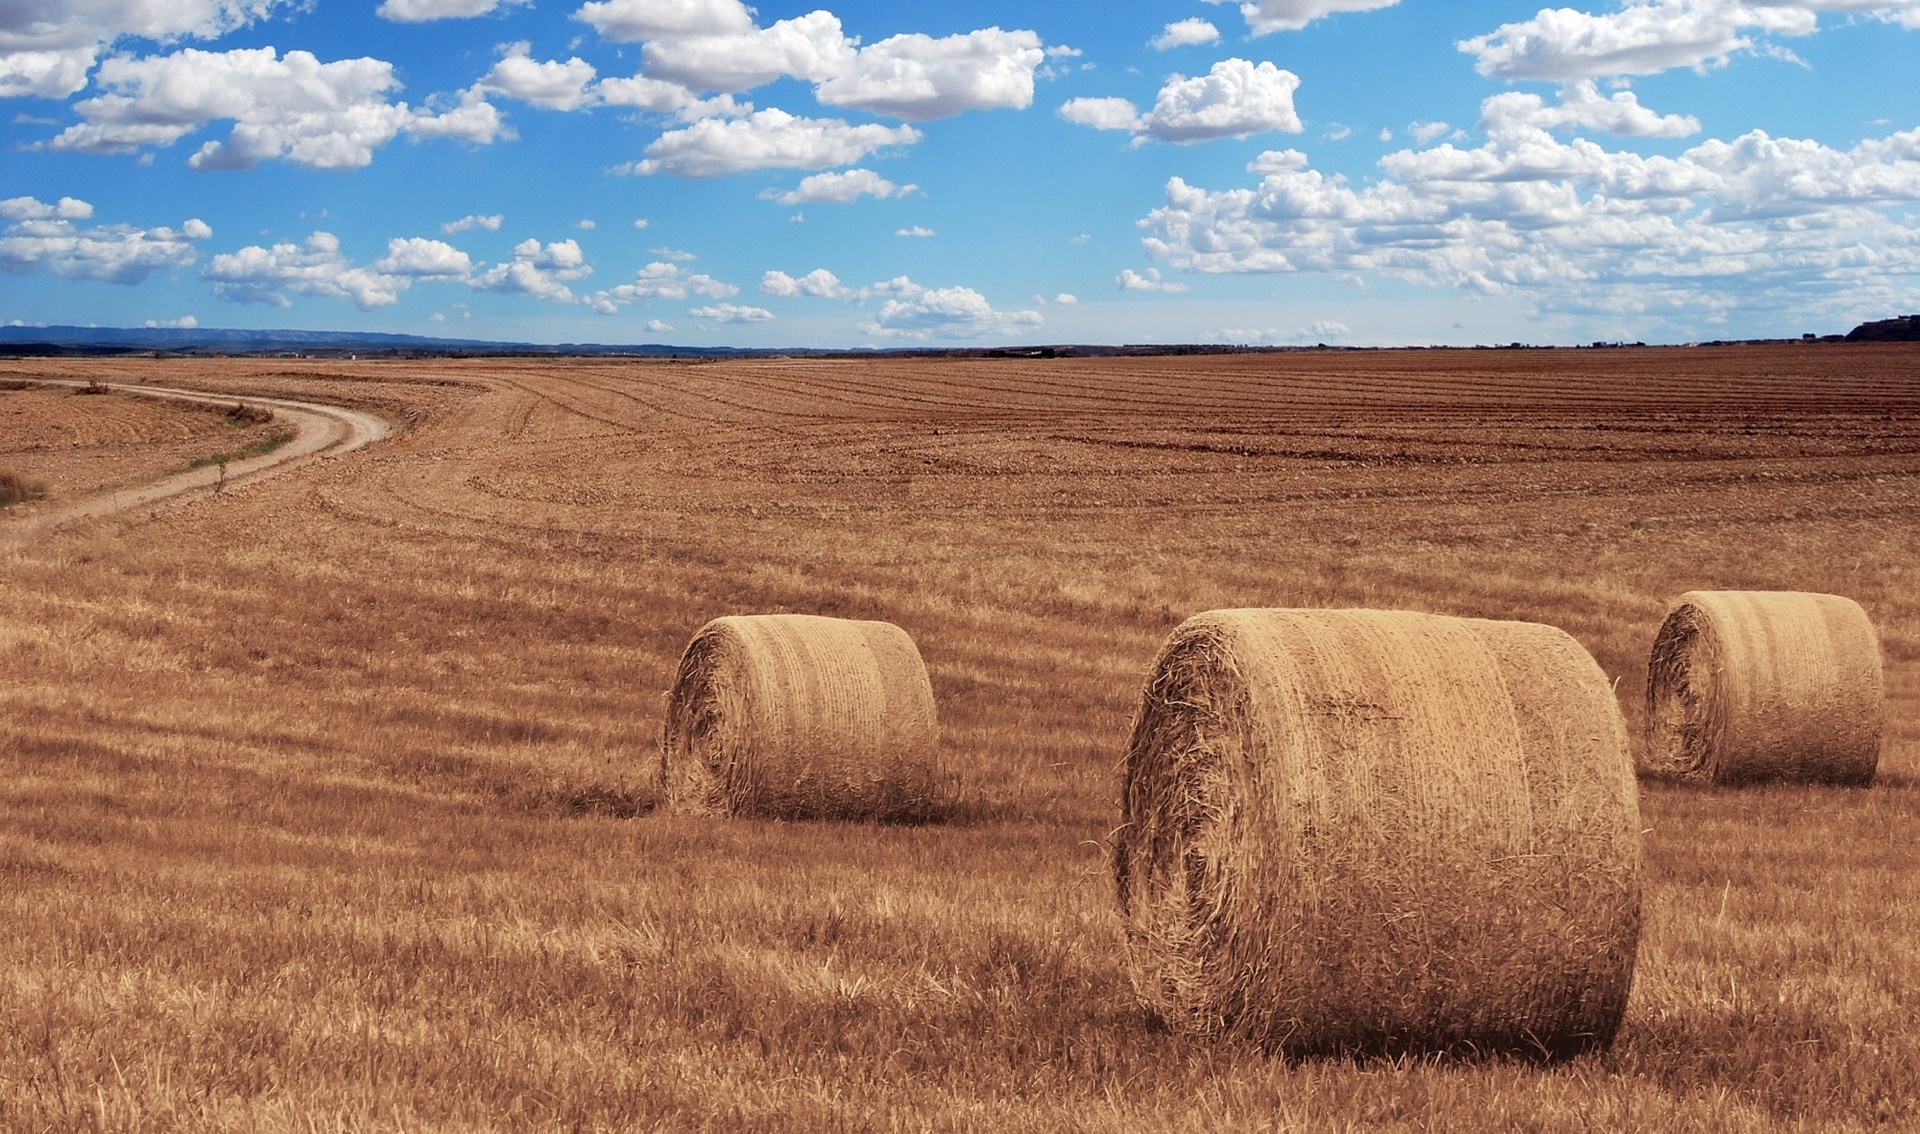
(795, 716)
(1745, 686)
(1354, 831)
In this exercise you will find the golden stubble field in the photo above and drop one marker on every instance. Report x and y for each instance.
(324, 801)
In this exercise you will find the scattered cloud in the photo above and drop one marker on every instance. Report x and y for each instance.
(48, 47)
(727, 313)
(1646, 37)
(840, 188)
(659, 280)
(420, 258)
(917, 232)
(422, 11)
(292, 107)
(677, 255)
(550, 86)
(910, 311)
(1265, 16)
(1185, 33)
(1754, 223)
(917, 77)
(810, 47)
(41, 237)
(541, 271)
(819, 284)
(767, 139)
(1583, 108)
(490, 222)
(1236, 99)
(1320, 331)
(1130, 280)
(631, 20)
(273, 275)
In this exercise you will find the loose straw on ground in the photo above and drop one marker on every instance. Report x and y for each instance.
(1375, 831)
(1745, 686)
(802, 717)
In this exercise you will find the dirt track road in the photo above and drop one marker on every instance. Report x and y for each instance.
(320, 431)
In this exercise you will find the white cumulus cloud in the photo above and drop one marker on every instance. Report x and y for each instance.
(911, 311)
(316, 268)
(1107, 113)
(421, 11)
(1645, 37)
(1185, 33)
(47, 47)
(630, 20)
(1755, 223)
(659, 280)
(819, 284)
(1130, 280)
(918, 77)
(811, 47)
(325, 115)
(767, 139)
(731, 313)
(1237, 98)
(420, 258)
(841, 188)
(1582, 107)
(541, 271)
(40, 237)
(549, 85)
(1265, 16)
(490, 222)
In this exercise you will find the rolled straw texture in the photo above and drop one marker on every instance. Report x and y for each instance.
(1744, 686)
(1380, 832)
(796, 716)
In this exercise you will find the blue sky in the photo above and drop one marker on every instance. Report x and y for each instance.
(1361, 172)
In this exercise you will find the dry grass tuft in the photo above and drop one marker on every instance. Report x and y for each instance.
(798, 716)
(18, 488)
(1380, 831)
(1744, 686)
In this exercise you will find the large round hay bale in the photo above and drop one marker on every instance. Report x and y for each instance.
(1354, 831)
(1744, 686)
(795, 716)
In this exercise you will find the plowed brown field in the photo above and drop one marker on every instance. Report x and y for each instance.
(323, 798)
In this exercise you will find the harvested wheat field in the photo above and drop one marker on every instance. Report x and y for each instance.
(328, 801)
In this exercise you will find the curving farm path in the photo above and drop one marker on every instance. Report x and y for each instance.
(320, 431)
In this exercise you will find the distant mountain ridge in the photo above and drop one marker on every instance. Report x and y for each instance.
(18, 340)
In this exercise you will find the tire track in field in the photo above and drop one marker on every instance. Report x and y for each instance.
(320, 431)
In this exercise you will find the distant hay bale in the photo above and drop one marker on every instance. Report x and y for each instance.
(1745, 686)
(796, 716)
(1380, 832)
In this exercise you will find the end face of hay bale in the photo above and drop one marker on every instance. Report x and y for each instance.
(1370, 831)
(1749, 686)
(795, 716)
